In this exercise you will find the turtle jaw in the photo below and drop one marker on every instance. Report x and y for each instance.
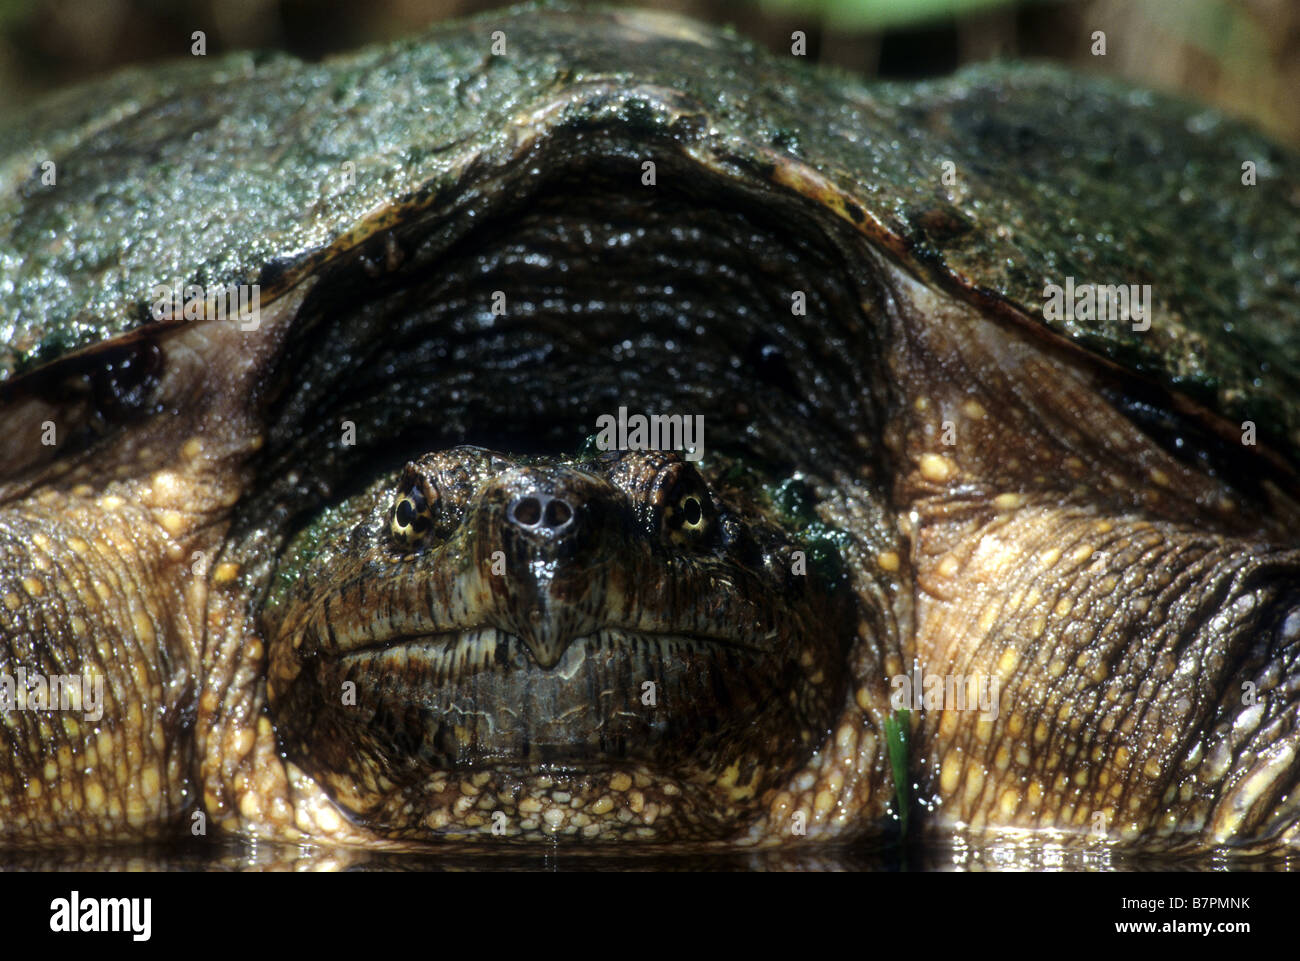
(707, 719)
(382, 726)
(480, 700)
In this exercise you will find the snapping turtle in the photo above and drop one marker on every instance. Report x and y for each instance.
(331, 502)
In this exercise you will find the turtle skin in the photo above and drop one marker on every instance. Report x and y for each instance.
(350, 570)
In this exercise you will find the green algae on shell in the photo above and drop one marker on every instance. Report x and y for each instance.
(258, 169)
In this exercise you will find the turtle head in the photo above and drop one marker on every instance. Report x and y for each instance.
(499, 625)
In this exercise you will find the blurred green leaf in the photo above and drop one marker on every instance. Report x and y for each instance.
(897, 730)
(876, 14)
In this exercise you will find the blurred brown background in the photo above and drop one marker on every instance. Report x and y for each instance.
(1243, 55)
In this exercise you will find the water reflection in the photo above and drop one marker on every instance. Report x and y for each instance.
(1024, 854)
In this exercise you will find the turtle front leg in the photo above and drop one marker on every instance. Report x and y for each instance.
(99, 619)
(105, 558)
(1119, 629)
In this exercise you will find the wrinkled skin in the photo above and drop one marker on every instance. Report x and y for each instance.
(505, 624)
(1005, 505)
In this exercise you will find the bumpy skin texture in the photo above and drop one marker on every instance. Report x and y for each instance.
(1079, 525)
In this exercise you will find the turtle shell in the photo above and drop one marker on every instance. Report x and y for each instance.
(262, 169)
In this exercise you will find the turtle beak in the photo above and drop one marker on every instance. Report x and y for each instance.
(540, 532)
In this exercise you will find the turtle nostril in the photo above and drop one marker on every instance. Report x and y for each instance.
(526, 511)
(541, 513)
(557, 514)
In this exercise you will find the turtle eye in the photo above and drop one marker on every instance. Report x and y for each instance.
(692, 513)
(412, 515)
(688, 510)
